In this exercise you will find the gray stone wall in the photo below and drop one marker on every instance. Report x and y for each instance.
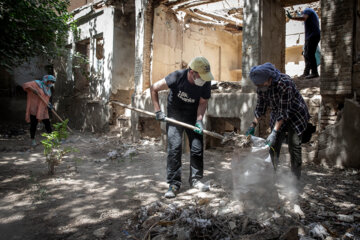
(251, 46)
(263, 37)
(337, 27)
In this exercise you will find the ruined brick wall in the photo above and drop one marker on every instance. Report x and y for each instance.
(356, 66)
(78, 3)
(336, 46)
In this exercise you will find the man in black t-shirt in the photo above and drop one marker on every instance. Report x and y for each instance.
(187, 102)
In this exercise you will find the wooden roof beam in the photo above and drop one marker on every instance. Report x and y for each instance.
(217, 17)
(194, 4)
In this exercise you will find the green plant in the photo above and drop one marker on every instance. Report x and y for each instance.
(53, 150)
(41, 193)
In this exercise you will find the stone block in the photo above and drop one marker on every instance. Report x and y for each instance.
(337, 143)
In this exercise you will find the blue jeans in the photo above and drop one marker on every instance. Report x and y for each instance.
(174, 149)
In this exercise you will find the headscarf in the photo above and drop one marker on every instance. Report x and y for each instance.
(261, 73)
(43, 86)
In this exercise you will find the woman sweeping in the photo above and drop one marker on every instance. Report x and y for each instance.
(36, 109)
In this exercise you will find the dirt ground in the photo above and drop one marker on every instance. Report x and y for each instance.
(113, 189)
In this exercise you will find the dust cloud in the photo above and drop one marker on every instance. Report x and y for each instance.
(256, 185)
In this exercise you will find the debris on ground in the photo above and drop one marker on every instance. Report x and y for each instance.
(225, 87)
(171, 221)
(125, 201)
(236, 140)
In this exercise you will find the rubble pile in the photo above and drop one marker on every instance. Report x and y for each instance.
(12, 130)
(225, 87)
(237, 140)
(195, 221)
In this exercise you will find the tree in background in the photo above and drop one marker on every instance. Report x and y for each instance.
(30, 28)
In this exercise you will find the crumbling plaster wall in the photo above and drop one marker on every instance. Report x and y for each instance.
(176, 43)
(74, 4)
(92, 24)
(122, 85)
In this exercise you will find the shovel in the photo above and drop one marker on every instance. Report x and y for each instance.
(170, 120)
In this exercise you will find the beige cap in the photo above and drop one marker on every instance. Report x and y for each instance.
(202, 66)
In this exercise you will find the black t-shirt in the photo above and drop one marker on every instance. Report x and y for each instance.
(183, 95)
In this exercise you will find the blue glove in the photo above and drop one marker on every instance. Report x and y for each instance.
(160, 116)
(288, 14)
(270, 141)
(200, 127)
(250, 131)
(50, 106)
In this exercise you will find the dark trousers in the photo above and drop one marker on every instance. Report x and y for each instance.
(294, 142)
(174, 148)
(309, 55)
(34, 123)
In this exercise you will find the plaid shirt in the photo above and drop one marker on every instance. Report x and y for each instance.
(285, 102)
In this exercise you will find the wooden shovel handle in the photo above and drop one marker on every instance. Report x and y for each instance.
(53, 111)
(170, 120)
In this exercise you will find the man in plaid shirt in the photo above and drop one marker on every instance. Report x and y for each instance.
(289, 112)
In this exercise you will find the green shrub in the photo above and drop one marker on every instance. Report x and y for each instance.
(53, 150)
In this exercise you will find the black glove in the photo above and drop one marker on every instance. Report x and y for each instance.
(50, 106)
(160, 116)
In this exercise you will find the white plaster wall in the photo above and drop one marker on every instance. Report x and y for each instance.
(124, 52)
(91, 28)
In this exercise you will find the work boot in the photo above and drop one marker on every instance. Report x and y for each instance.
(200, 186)
(313, 75)
(304, 75)
(171, 192)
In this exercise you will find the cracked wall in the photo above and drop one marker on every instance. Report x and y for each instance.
(106, 39)
(175, 43)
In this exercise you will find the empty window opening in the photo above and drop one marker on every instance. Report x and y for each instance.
(99, 52)
(81, 65)
(295, 40)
